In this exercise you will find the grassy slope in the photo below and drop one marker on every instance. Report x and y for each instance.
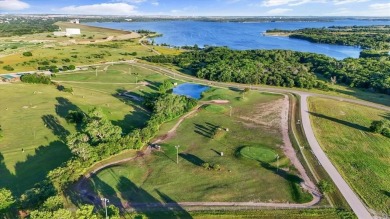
(362, 157)
(156, 177)
(21, 117)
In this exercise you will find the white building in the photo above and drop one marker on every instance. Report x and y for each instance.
(68, 32)
(72, 31)
(75, 21)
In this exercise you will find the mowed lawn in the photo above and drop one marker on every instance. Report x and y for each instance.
(34, 127)
(362, 157)
(157, 178)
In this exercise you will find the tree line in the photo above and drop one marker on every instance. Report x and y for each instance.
(367, 37)
(281, 68)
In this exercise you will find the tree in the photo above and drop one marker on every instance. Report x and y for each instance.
(27, 54)
(53, 203)
(165, 87)
(325, 186)
(6, 200)
(85, 212)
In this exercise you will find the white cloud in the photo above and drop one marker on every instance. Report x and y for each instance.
(155, 3)
(278, 11)
(378, 6)
(13, 5)
(129, 1)
(100, 9)
(272, 3)
(341, 2)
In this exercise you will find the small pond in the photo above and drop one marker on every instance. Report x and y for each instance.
(190, 90)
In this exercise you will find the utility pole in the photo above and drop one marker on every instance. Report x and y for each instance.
(177, 153)
(231, 108)
(96, 69)
(105, 200)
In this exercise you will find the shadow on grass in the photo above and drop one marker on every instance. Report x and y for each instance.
(387, 193)
(154, 85)
(346, 123)
(135, 119)
(142, 202)
(293, 180)
(64, 106)
(206, 130)
(35, 168)
(381, 99)
(52, 123)
(192, 159)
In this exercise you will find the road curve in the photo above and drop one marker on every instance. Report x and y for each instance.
(353, 200)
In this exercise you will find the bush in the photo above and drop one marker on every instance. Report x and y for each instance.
(325, 186)
(27, 54)
(8, 68)
(381, 127)
(216, 167)
(206, 166)
(35, 79)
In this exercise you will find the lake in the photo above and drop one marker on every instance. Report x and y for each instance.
(190, 90)
(242, 35)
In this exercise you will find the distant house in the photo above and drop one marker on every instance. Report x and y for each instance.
(10, 78)
(68, 32)
(72, 31)
(74, 21)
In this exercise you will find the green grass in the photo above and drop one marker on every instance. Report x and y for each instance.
(157, 178)
(259, 153)
(248, 214)
(361, 156)
(32, 117)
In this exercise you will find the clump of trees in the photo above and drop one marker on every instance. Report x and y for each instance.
(99, 138)
(20, 26)
(381, 127)
(27, 54)
(64, 89)
(209, 166)
(281, 68)
(6, 201)
(35, 78)
(325, 186)
(8, 68)
(367, 37)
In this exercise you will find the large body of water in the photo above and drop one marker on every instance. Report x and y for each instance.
(243, 35)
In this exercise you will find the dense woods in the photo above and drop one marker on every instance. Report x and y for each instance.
(19, 26)
(367, 37)
(282, 68)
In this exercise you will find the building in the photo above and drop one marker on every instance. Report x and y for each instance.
(74, 21)
(68, 32)
(10, 78)
(72, 31)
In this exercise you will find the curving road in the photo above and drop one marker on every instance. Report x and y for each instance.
(353, 200)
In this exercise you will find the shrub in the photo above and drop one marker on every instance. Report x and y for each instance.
(216, 167)
(206, 166)
(35, 79)
(325, 186)
(381, 127)
(8, 68)
(27, 54)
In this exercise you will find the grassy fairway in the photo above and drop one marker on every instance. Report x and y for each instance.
(32, 117)
(361, 156)
(157, 177)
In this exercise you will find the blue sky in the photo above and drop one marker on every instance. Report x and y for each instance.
(202, 7)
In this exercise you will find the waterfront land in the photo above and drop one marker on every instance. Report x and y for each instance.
(255, 166)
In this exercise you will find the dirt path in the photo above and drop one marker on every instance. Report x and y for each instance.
(146, 46)
(289, 151)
